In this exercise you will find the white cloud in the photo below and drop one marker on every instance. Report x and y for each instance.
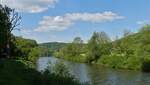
(143, 22)
(53, 23)
(95, 17)
(59, 23)
(30, 6)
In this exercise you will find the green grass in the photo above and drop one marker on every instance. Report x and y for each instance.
(14, 72)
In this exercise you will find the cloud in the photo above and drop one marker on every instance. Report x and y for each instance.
(30, 6)
(53, 23)
(143, 22)
(59, 23)
(26, 31)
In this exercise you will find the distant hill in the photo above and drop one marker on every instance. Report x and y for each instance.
(53, 45)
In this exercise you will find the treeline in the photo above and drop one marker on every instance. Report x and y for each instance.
(18, 57)
(130, 52)
(24, 49)
(30, 50)
(54, 46)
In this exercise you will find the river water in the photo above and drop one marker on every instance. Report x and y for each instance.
(98, 75)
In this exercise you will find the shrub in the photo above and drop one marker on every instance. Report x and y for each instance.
(146, 64)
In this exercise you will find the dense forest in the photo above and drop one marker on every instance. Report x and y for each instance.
(18, 57)
(129, 52)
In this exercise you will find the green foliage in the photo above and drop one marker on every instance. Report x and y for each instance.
(73, 51)
(133, 63)
(29, 50)
(16, 73)
(8, 22)
(146, 64)
(120, 61)
(93, 48)
(134, 48)
(145, 28)
(25, 46)
(37, 52)
(60, 69)
(54, 46)
(127, 33)
(4, 28)
(113, 61)
(96, 47)
(19, 71)
(78, 40)
(130, 52)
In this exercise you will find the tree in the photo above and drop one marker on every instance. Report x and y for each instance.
(126, 33)
(77, 45)
(9, 20)
(24, 46)
(145, 28)
(104, 38)
(72, 50)
(78, 40)
(93, 48)
(97, 46)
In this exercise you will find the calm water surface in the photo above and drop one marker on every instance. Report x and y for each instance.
(99, 75)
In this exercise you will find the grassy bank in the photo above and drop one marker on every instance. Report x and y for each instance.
(14, 72)
(131, 52)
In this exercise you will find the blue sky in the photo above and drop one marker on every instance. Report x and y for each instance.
(62, 20)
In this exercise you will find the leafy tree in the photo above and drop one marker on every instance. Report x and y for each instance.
(78, 40)
(37, 52)
(93, 48)
(54, 46)
(96, 46)
(24, 46)
(77, 45)
(104, 38)
(145, 28)
(126, 32)
(9, 20)
(74, 48)
(129, 52)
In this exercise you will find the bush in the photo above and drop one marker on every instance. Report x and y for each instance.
(113, 61)
(133, 63)
(14, 72)
(121, 61)
(146, 64)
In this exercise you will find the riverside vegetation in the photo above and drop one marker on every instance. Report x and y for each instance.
(18, 57)
(130, 52)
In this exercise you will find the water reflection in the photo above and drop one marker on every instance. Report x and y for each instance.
(99, 75)
(79, 73)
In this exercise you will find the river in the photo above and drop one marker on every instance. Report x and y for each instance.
(99, 75)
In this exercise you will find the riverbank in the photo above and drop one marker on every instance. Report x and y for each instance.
(115, 62)
(15, 72)
(75, 59)
(98, 75)
(131, 52)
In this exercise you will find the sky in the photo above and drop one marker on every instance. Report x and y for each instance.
(63, 20)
